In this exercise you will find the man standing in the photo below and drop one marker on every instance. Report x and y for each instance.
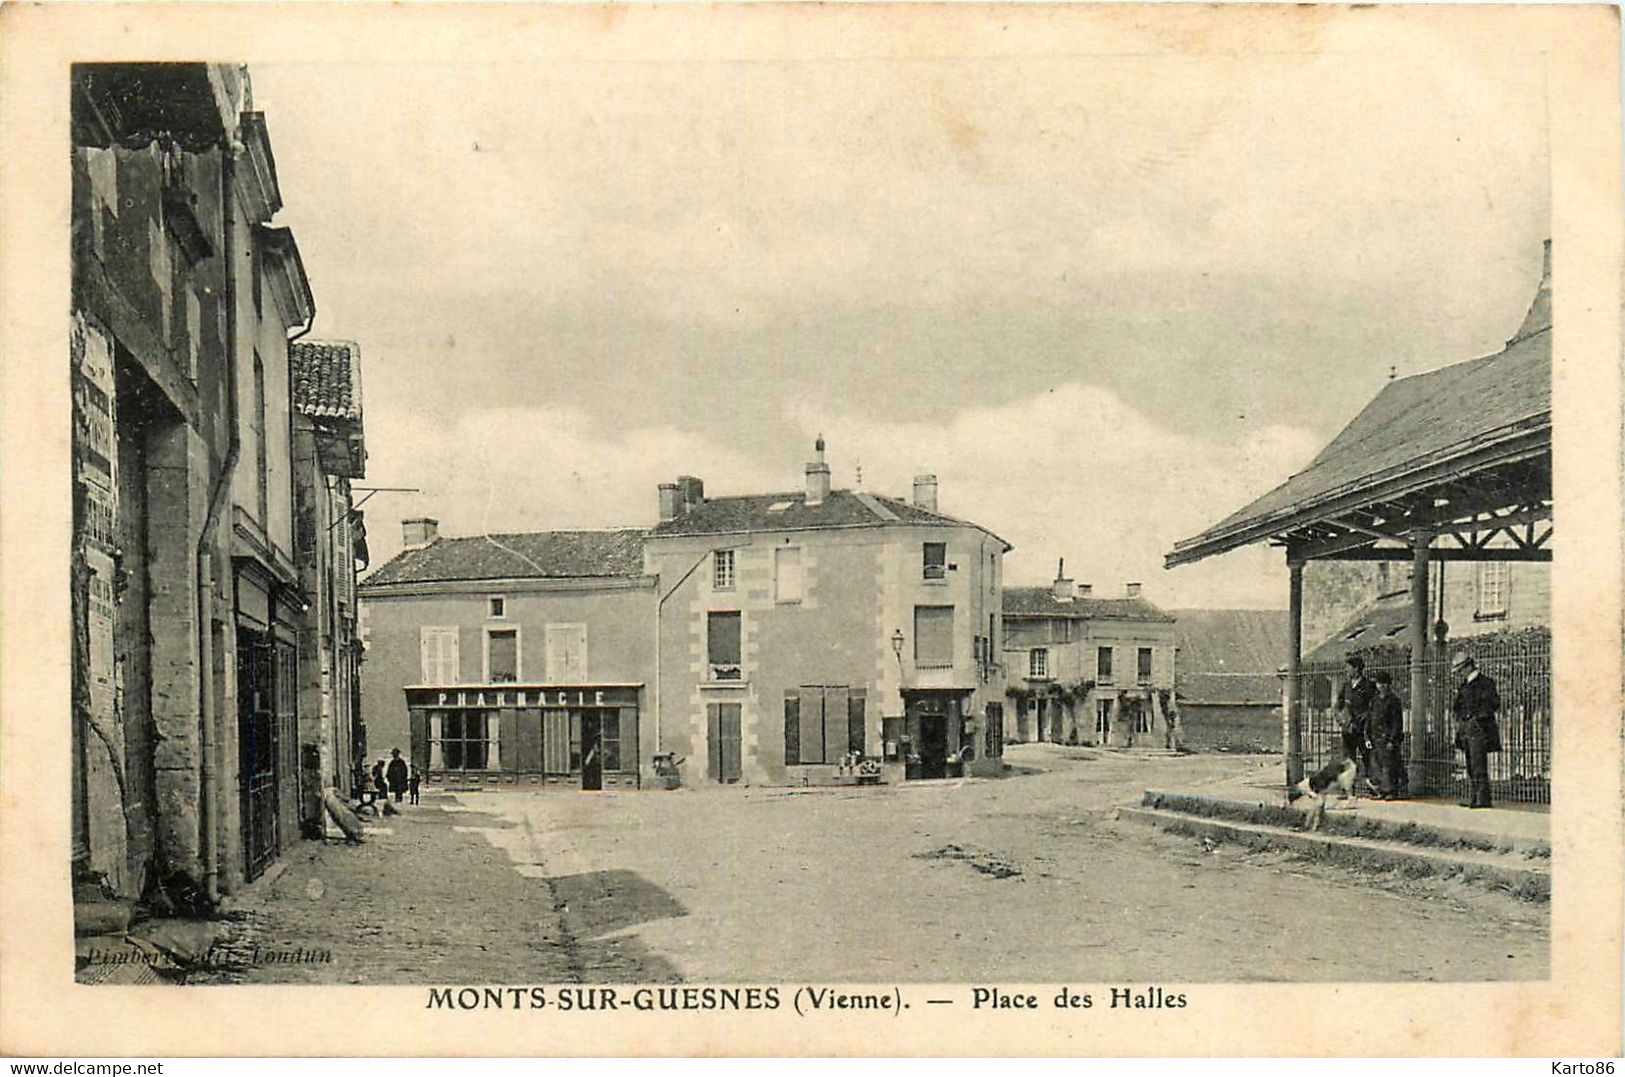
(396, 774)
(1385, 736)
(1477, 733)
(1357, 700)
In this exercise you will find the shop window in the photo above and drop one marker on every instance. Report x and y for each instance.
(722, 647)
(933, 635)
(1038, 663)
(935, 556)
(501, 655)
(1142, 670)
(787, 573)
(463, 744)
(438, 647)
(609, 740)
(722, 570)
(1103, 665)
(497, 606)
(1493, 577)
(566, 654)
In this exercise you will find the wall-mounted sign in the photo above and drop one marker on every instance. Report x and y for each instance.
(540, 696)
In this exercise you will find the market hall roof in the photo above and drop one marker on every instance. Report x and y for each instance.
(326, 378)
(524, 555)
(1456, 425)
(793, 512)
(1041, 602)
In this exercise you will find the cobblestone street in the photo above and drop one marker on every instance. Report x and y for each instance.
(1021, 879)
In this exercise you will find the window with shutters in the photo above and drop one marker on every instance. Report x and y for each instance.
(343, 567)
(438, 645)
(566, 654)
(824, 724)
(722, 570)
(501, 655)
(933, 635)
(787, 574)
(1103, 665)
(722, 645)
(1142, 669)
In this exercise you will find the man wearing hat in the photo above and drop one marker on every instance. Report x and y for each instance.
(1357, 699)
(1386, 735)
(1477, 734)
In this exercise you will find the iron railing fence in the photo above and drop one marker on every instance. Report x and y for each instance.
(1521, 665)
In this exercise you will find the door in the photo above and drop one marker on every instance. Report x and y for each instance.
(592, 754)
(933, 745)
(722, 721)
(256, 744)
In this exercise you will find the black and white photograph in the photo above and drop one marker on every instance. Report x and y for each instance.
(803, 512)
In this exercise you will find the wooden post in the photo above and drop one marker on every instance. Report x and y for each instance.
(1420, 722)
(1294, 669)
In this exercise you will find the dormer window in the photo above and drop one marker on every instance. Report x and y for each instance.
(935, 558)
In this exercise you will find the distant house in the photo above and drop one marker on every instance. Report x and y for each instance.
(1087, 670)
(1227, 684)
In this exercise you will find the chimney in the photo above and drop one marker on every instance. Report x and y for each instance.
(690, 494)
(817, 474)
(668, 501)
(925, 492)
(1062, 588)
(420, 531)
(1085, 589)
(1131, 590)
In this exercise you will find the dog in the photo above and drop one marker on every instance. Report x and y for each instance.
(1335, 777)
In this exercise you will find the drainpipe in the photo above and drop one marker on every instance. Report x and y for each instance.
(219, 492)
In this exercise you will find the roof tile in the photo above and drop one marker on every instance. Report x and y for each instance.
(528, 555)
(326, 378)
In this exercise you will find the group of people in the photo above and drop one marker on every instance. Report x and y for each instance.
(395, 779)
(1374, 728)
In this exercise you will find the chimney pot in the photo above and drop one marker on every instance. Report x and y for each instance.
(420, 531)
(1063, 589)
(1085, 589)
(1132, 590)
(925, 492)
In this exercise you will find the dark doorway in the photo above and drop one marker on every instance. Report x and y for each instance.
(592, 750)
(257, 750)
(722, 739)
(933, 746)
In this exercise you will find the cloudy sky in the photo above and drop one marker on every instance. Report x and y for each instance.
(1106, 298)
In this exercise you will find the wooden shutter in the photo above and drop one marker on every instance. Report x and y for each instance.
(934, 635)
(836, 720)
(575, 642)
(722, 639)
(856, 738)
(713, 743)
(812, 725)
(556, 741)
(558, 653)
(451, 667)
(629, 739)
(428, 656)
(792, 728)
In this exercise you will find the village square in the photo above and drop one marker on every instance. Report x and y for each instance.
(365, 693)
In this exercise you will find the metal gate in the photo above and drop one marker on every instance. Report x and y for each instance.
(1521, 666)
(257, 750)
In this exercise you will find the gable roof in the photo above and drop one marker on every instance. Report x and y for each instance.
(1041, 602)
(326, 378)
(525, 555)
(791, 512)
(1462, 417)
(1230, 656)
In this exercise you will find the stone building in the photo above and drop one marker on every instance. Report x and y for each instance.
(1088, 670)
(769, 638)
(330, 543)
(1228, 683)
(511, 658)
(186, 604)
(797, 630)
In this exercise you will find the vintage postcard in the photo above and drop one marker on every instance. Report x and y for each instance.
(811, 529)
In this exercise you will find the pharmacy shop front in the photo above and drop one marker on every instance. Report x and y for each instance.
(571, 736)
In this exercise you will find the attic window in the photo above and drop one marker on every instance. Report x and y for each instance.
(779, 506)
(1357, 633)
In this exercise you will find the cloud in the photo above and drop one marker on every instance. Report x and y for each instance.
(1077, 472)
